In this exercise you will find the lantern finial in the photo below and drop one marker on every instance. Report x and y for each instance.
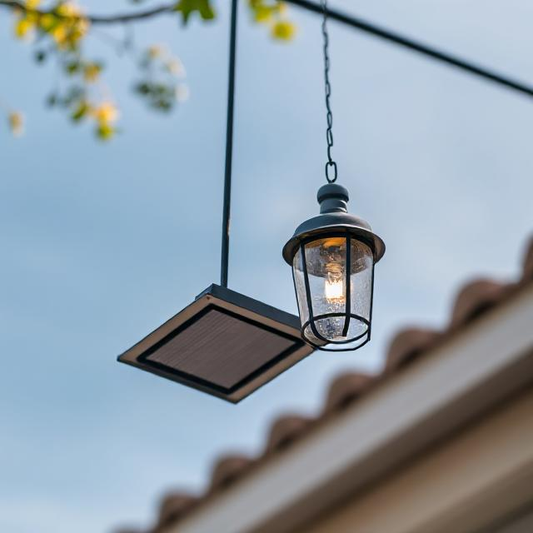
(333, 198)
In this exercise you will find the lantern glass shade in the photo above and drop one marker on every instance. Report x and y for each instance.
(333, 277)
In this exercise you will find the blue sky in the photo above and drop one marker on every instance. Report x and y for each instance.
(102, 243)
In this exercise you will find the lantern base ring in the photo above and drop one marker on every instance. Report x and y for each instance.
(311, 323)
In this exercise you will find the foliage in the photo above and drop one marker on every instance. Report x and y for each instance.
(161, 85)
(188, 7)
(273, 14)
(58, 31)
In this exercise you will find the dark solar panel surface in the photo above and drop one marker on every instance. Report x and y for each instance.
(220, 348)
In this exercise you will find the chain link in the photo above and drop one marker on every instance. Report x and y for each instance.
(331, 166)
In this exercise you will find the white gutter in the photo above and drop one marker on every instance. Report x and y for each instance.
(473, 371)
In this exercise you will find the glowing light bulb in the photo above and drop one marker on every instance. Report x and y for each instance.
(334, 284)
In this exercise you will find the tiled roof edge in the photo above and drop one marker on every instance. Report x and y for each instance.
(472, 301)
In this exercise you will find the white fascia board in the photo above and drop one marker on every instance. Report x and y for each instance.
(462, 378)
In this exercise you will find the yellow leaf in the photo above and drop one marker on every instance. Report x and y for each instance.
(263, 13)
(47, 22)
(91, 72)
(175, 67)
(105, 113)
(155, 51)
(282, 8)
(23, 27)
(283, 30)
(68, 9)
(16, 123)
(59, 33)
(70, 26)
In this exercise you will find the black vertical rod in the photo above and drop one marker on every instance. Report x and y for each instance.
(348, 288)
(224, 260)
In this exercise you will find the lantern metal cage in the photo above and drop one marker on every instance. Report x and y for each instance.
(333, 257)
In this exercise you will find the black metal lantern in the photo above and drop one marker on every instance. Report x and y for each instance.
(332, 257)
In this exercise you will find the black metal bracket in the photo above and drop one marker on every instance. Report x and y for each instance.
(416, 46)
(226, 213)
(358, 24)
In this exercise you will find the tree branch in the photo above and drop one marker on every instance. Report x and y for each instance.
(338, 16)
(98, 19)
(130, 17)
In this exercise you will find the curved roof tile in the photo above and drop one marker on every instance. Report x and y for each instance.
(227, 470)
(408, 345)
(346, 389)
(286, 430)
(527, 265)
(173, 506)
(474, 299)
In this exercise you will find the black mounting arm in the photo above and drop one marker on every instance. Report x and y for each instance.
(416, 46)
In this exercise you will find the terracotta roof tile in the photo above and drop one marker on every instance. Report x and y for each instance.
(474, 299)
(286, 430)
(173, 507)
(346, 389)
(408, 345)
(227, 470)
(527, 266)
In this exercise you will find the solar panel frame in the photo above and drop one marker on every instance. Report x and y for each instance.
(256, 322)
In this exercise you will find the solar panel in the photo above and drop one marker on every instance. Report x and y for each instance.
(224, 343)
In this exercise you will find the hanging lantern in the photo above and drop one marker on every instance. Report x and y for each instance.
(332, 257)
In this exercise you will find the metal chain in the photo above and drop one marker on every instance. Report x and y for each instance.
(331, 166)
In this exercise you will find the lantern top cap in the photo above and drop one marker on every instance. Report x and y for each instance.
(333, 198)
(333, 219)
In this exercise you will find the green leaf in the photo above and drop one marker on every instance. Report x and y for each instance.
(80, 112)
(187, 7)
(40, 56)
(105, 132)
(72, 67)
(51, 100)
(143, 88)
(72, 95)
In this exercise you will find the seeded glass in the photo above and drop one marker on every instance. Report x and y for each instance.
(334, 296)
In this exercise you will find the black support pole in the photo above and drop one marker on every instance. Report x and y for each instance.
(406, 42)
(224, 260)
